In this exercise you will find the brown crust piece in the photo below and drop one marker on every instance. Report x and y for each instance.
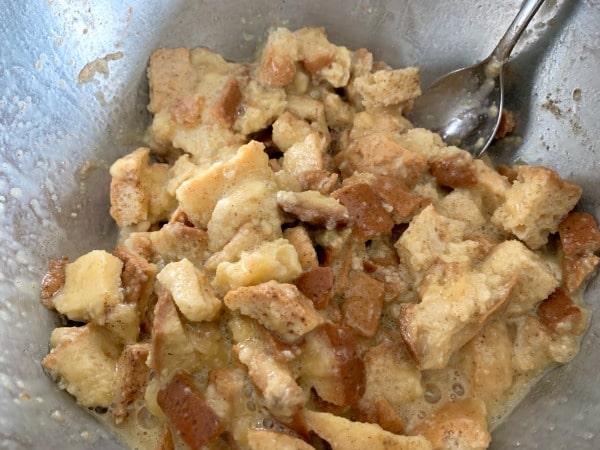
(578, 269)
(299, 238)
(168, 73)
(277, 70)
(395, 193)
(278, 67)
(53, 281)
(132, 376)
(167, 442)
(370, 217)
(188, 413)
(507, 124)
(559, 314)
(170, 346)
(225, 108)
(580, 239)
(579, 234)
(314, 63)
(363, 302)
(317, 285)
(187, 111)
(335, 347)
(137, 278)
(454, 171)
(362, 314)
(318, 180)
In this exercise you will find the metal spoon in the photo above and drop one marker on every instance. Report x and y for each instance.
(465, 106)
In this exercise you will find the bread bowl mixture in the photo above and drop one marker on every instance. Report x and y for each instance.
(299, 267)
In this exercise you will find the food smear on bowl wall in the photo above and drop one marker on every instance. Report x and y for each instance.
(297, 264)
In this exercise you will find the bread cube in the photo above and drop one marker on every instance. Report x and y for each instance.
(138, 189)
(385, 88)
(580, 239)
(83, 360)
(123, 322)
(343, 434)
(535, 348)
(173, 242)
(279, 56)
(289, 130)
(246, 238)
(191, 291)
(205, 143)
(283, 396)
(535, 204)
(378, 153)
(422, 141)
(276, 260)
(53, 281)
(306, 155)
(321, 59)
(492, 369)
(491, 187)
(170, 74)
(460, 424)
(317, 284)
(455, 304)
(198, 196)
(385, 364)
(132, 376)
(535, 279)
(430, 236)
(92, 286)
(461, 204)
(227, 103)
(453, 169)
(369, 122)
(261, 106)
(560, 315)
(577, 270)
(332, 365)
(171, 349)
(280, 308)
(363, 302)
(251, 201)
(339, 113)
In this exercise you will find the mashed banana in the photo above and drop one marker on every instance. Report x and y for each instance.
(298, 264)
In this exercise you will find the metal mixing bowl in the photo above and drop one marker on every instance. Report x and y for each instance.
(57, 137)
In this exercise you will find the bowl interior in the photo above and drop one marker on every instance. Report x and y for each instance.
(58, 136)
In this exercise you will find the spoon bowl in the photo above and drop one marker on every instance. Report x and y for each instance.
(465, 106)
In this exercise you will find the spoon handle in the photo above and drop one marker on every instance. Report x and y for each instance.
(516, 28)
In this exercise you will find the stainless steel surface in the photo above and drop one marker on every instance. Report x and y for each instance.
(53, 203)
(464, 106)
